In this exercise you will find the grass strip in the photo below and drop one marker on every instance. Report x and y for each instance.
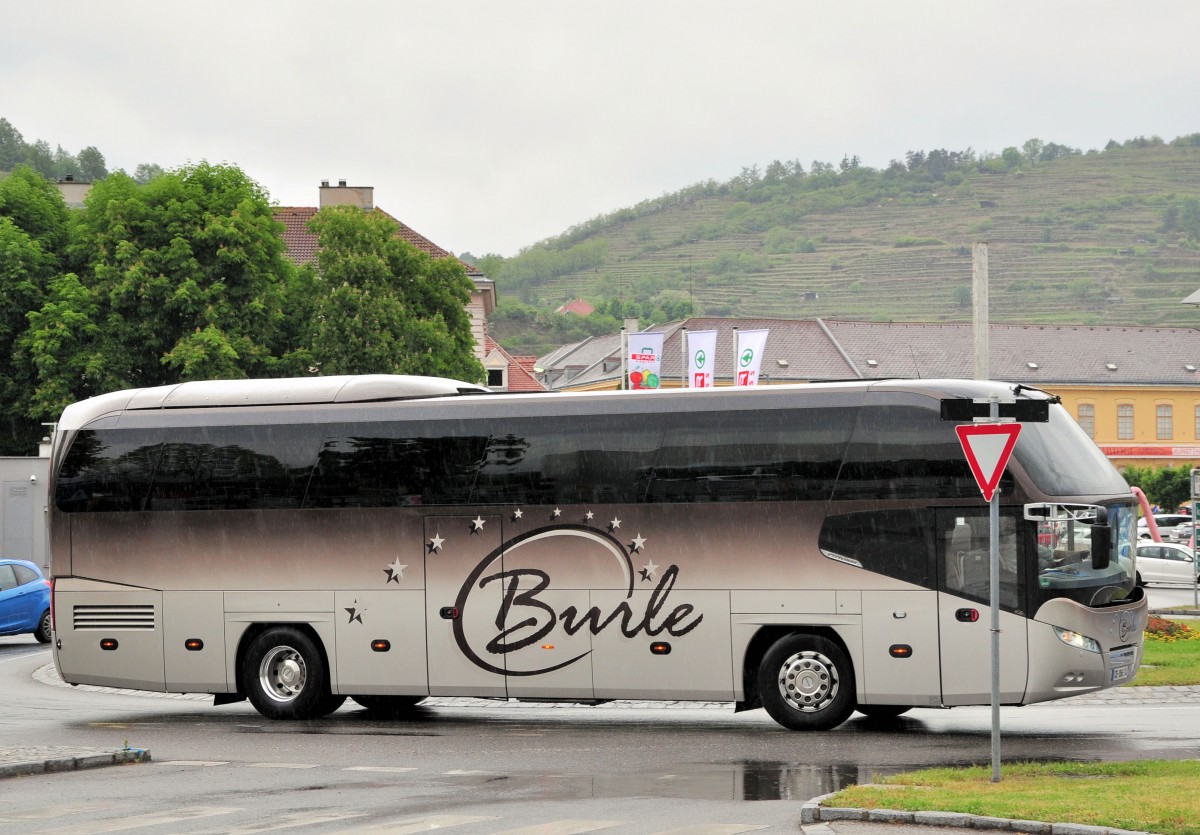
(1155, 795)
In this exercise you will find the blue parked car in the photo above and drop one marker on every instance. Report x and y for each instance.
(24, 600)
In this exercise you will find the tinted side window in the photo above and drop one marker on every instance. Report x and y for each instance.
(903, 449)
(964, 554)
(108, 470)
(8, 579)
(896, 543)
(766, 455)
(234, 467)
(393, 465)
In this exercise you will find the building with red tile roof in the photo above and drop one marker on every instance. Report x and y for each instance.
(302, 246)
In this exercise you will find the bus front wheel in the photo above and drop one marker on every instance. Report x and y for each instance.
(284, 675)
(806, 683)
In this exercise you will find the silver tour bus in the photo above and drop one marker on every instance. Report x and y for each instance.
(812, 550)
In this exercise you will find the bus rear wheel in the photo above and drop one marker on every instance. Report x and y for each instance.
(806, 683)
(389, 707)
(284, 675)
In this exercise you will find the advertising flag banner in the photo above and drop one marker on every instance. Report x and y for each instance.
(750, 347)
(645, 360)
(702, 356)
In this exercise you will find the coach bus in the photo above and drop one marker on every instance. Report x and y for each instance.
(812, 549)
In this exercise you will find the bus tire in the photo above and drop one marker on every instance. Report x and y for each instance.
(882, 712)
(43, 632)
(284, 675)
(388, 707)
(807, 683)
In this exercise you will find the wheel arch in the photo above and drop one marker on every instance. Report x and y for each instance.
(252, 632)
(763, 640)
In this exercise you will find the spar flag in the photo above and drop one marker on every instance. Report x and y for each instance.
(644, 360)
(702, 356)
(750, 347)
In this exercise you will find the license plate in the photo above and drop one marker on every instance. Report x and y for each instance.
(1120, 673)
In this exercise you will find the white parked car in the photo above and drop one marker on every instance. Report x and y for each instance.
(1165, 562)
(1166, 523)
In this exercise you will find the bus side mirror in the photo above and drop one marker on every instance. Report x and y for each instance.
(1101, 540)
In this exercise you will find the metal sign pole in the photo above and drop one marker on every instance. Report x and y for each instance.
(994, 525)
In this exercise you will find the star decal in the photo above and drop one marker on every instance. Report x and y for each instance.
(477, 524)
(355, 613)
(395, 571)
(557, 512)
(639, 542)
(589, 516)
(614, 524)
(435, 544)
(517, 514)
(648, 572)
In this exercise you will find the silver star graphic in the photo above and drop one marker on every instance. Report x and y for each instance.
(614, 524)
(589, 516)
(478, 522)
(557, 512)
(648, 572)
(639, 542)
(435, 544)
(517, 514)
(395, 571)
(355, 613)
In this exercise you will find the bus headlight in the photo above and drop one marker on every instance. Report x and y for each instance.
(1074, 639)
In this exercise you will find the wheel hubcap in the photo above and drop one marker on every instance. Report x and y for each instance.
(808, 681)
(283, 674)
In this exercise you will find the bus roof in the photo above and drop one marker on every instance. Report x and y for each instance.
(362, 388)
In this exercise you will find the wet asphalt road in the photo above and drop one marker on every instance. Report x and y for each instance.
(480, 767)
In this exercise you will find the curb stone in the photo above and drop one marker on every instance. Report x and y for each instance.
(814, 816)
(19, 762)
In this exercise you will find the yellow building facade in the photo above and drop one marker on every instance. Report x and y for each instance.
(1138, 425)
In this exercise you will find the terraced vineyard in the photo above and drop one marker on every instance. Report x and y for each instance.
(1076, 240)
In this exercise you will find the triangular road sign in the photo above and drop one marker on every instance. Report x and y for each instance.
(988, 446)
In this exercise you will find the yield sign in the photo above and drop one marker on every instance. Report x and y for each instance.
(987, 446)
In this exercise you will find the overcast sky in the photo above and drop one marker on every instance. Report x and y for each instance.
(488, 126)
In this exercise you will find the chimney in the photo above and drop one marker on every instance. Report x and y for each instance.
(343, 195)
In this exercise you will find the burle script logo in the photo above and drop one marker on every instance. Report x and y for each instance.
(528, 607)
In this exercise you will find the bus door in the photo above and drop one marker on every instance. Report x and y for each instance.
(549, 573)
(964, 619)
(462, 602)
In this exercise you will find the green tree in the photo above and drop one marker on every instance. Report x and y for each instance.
(33, 236)
(388, 308)
(40, 158)
(178, 279)
(147, 171)
(12, 146)
(91, 164)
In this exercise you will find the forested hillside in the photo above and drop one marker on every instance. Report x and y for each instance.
(1103, 237)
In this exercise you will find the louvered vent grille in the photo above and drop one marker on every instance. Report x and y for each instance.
(128, 616)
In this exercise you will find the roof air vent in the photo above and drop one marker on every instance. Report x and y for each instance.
(1111, 366)
(872, 363)
(782, 363)
(1189, 367)
(1032, 366)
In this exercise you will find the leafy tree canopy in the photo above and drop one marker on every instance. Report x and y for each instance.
(178, 279)
(388, 307)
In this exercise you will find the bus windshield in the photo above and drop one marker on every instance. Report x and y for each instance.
(1063, 461)
(1065, 567)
